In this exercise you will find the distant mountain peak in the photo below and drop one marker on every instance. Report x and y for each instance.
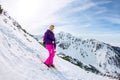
(90, 51)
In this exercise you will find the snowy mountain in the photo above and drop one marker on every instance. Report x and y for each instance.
(102, 57)
(19, 57)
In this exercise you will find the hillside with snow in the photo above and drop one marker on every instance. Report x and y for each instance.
(102, 57)
(19, 57)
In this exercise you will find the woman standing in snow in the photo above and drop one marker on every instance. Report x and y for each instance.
(49, 40)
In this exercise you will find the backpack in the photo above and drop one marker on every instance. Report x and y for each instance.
(1, 10)
(43, 43)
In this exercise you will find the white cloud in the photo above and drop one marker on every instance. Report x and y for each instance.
(110, 38)
(104, 2)
(84, 7)
(114, 20)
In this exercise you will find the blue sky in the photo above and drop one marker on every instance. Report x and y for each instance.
(93, 16)
(98, 19)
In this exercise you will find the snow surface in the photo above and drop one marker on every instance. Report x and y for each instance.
(19, 61)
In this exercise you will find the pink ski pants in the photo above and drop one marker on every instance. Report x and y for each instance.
(49, 60)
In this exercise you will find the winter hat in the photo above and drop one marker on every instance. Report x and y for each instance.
(52, 25)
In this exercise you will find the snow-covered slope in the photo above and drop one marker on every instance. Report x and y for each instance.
(19, 61)
(90, 52)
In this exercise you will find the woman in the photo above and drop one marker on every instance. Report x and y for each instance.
(49, 40)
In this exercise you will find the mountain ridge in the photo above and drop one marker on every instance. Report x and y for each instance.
(105, 54)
